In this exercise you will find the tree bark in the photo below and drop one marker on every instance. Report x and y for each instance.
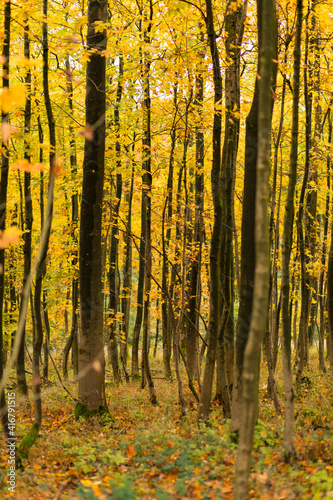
(166, 237)
(3, 205)
(114, 266)
(234, 25)
(114, 281)
(146, 199)
(28, 215)
(215, 264)
(262, 264)
(91, 341)
(286, 249)
(192, 345)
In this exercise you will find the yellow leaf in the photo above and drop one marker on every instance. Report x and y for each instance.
(86, 482)
(96, 489)
(11, 96)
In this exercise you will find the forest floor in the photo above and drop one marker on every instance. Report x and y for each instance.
(149, 452)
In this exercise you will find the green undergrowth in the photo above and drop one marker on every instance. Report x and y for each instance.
(150, 452)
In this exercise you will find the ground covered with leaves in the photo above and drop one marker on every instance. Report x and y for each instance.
(149, 452)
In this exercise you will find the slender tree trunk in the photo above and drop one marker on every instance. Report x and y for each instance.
(146, 196)
(72, 342)
(31, 437)
(127, 271)
(114, 266)
(234, 25)
(262, 266)
(114, 281)
(302, 343)
(91, 340)
(286, 249)
(322, 295)
(166, 237)
(38, 341)
(330, 282)
(311, 221)
(46, 325)
(28, 215)
(247, 250)
(3, 204)
(127, 276)
(215, 254)
(192, 344)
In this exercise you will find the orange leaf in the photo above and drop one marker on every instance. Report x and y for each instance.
(9, 237)
(130, 452)
(87, 133)
(26, 166)
(56, 168)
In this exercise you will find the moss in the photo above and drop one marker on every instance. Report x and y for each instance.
(84, 412)
(192, 388)
(26, 443)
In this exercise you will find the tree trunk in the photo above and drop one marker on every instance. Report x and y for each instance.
(3, 204)
(114, 280)
(322, 295)
(302, 344)
(91, 340)
(215, 264)
(72, 342)
(166, 237)
(114, 266)
(28, 215)
(192, 344)
(234, 25)
(146, 198)
(286, 249)
(247, 250)
(262, 264)
(127, 275)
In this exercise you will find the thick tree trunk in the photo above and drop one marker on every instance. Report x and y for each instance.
(91, 340)
(262, 264)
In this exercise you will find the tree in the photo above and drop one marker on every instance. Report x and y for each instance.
(262, 265)
(234, 25)
(286, 247)
(215, 263)
(91, 340)
(3, 202)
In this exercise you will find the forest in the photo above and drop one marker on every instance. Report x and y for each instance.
(166, 250)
